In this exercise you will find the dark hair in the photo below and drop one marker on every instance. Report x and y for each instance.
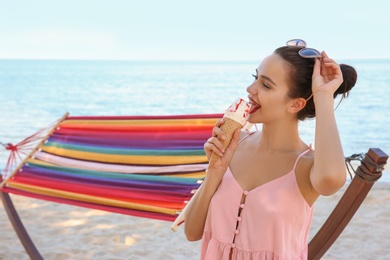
(301, 70)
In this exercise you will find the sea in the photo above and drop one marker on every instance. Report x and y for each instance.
(35, 93)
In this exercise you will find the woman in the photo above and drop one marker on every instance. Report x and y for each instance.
(256, 201)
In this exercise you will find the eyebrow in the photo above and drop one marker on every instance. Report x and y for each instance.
(266, 78)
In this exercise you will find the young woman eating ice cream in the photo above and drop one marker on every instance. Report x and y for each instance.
(256, 201)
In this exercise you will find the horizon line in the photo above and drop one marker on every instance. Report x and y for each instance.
(165, 60)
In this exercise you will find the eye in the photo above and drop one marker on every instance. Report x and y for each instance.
(266, 86)
(255, 76)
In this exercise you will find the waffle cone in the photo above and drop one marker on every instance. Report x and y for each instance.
(229, 127)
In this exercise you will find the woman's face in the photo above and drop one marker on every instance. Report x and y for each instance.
(268, 93)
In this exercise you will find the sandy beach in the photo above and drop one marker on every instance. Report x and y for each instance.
(69, 232)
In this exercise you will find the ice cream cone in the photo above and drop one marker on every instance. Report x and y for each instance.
(229, 127)
(234, 118)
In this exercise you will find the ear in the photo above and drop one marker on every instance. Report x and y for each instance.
(296, 105)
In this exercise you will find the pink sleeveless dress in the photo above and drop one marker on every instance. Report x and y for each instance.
(272, 223)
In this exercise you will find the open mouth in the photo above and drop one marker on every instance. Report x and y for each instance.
(254, 106)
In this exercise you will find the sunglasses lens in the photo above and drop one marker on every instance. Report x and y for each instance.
(296, 42)
(309, 53)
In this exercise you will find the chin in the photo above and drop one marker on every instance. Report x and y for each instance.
(252, 119)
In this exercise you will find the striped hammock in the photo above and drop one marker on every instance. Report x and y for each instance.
(146, 166)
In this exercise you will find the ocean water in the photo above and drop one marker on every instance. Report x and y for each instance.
(35, 93)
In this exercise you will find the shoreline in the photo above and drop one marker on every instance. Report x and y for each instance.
(68, 232)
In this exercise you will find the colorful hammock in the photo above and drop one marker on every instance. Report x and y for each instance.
(147, 166)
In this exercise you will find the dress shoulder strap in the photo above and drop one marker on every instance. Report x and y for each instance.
(299, 156)
(249, 134)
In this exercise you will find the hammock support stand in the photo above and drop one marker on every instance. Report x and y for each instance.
(19, 228)
(370, 171)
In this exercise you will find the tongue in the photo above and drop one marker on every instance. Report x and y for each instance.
(253, 108)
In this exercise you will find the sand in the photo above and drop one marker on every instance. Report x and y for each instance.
(69, 232)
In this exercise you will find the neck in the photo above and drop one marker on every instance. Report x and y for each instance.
(280, 137)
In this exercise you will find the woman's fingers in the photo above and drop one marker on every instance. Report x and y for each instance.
(214, 145)
(217, 131)
(333, 69)
(324, 54)
(317, 68)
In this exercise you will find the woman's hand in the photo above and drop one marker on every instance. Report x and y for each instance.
(214, 145)
(327, 75)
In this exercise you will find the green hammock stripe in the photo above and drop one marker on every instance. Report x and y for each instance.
(140, 152)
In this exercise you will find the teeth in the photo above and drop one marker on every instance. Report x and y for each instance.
(251, 102)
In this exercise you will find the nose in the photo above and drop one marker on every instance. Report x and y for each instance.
(251, 89)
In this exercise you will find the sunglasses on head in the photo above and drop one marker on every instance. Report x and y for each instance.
(304, 52)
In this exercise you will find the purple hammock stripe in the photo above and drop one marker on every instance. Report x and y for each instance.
(198, 135)
(130, 144)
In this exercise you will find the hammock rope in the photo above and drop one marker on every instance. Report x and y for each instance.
(362, 171)
(20, 151)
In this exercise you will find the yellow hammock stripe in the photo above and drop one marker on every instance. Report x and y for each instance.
(88, 198)
(127, 159)
(40, 162)
(156, 122)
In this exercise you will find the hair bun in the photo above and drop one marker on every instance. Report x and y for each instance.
(350, 78)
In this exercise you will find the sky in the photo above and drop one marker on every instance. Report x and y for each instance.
(190, 30)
